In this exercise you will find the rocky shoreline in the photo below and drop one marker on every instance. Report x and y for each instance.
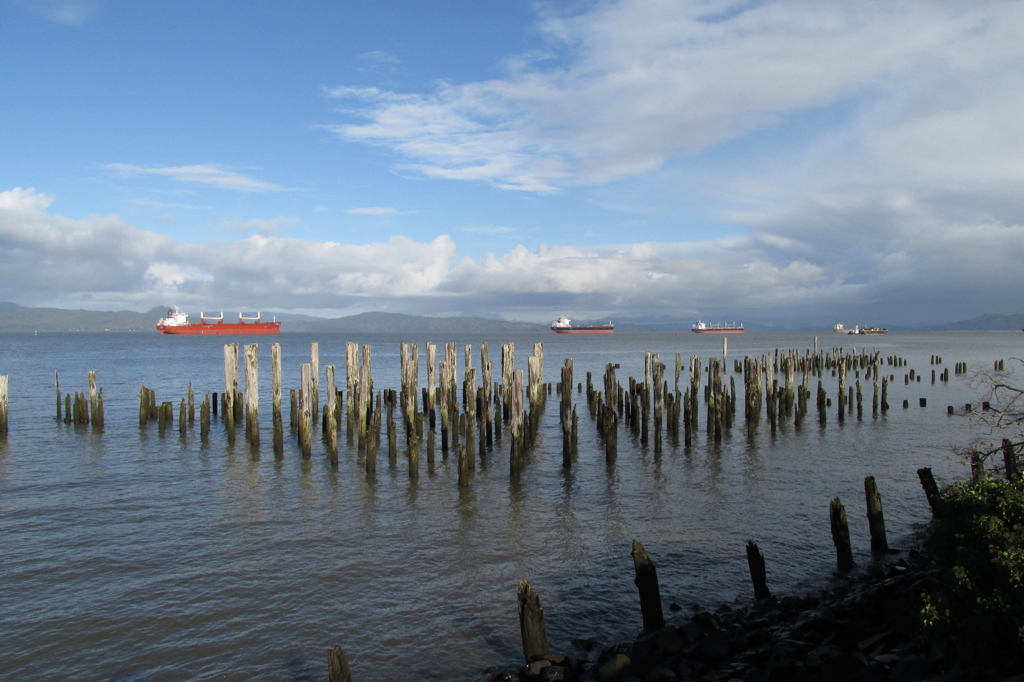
(862, 627)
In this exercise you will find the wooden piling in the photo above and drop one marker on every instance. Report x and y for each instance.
(876, 522)
(758, 574)
(463, 463)
(840, 535)
(275, 381)
(305, 410)
(230, 388)
(337, 666)
(531, 623)
(1010, 462)
(204, 417)
(314, 368)
(56, 386)
(4, 388)
(182, 417)
(252, 394)
(646, 581)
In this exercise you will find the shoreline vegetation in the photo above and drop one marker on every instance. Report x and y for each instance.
(15, 318)
(950, 609)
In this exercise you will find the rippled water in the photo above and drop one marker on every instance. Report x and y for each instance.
(132, 555)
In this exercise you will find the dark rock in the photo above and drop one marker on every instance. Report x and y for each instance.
(669, 640)
(759, 636)
(617, 669)
(910, 668)
(848, 665)
(714, 646)
(661, 673)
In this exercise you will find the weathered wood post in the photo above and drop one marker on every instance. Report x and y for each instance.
(351, 380)
(143, 405)
(230, 387)
(646, 581)
(204, 417)
(931, 490)
(463, 462)
(275, 380)
(840, 535)
(758, 574)
(531, 623)
(314, 364)
(516, 422)
(191, 404)
(92, 398)
(182, 417)
(330, 415)
(337, 666)
(56, 385)
(252, 394)
(305, 410)
(876, 522)
(4, 387)
(1010, 461)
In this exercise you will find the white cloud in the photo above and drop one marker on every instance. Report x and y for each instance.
(258, 225)
(900, 268)
(376, 211)
(207, 174)
(646, 81)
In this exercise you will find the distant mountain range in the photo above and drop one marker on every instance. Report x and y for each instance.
(374, 323)
(15, 318)
(986, 322)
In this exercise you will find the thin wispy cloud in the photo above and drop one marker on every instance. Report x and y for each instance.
(206, 174)
(644, 83)
(66, 12)
(378, 61)
(376, 211)
(261, 226)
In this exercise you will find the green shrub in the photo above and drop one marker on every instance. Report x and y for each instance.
(976, 611)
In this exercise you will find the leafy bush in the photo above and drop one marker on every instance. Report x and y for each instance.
(976, 608)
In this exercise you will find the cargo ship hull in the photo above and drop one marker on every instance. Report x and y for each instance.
(221, 328)
(603, 329)
(719, 331)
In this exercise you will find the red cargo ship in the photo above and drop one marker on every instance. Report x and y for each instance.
(177, 322)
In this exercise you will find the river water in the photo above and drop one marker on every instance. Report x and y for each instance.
(131, 555)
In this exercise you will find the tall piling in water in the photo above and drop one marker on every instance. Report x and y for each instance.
(252, 394)
(275, 378)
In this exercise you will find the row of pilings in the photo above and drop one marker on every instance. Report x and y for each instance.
(469, 419)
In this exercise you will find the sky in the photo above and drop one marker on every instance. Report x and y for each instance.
(790, 163)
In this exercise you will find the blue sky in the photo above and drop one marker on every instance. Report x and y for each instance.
(783, 162)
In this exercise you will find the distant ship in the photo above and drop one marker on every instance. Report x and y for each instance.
(840, 329)
(177, 322)
(868, 330)
(564, 325)
(718, 328)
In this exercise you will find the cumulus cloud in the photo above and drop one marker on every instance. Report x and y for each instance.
(900, 269)
(207, 174)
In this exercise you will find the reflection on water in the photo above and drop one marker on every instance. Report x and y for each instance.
(137, 554)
